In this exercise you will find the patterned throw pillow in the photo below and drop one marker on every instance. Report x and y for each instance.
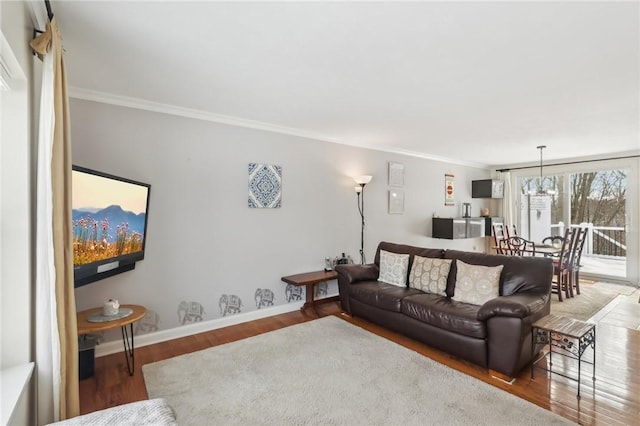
(429, 274)
(477, 284)
(393, 268)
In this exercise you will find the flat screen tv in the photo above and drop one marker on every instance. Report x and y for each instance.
(109, 215)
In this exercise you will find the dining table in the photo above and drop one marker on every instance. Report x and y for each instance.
(547, 250)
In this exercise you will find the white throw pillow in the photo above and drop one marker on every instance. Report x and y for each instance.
(477, 284)
(430, 275)
(393, 268)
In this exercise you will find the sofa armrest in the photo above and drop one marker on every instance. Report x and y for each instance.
(351, 274)
(156, 412)
(354, 273)
(518, 305)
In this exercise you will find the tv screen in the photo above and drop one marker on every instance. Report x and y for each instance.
(109, 216)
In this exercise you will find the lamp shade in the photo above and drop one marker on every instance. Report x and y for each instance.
(358, 189)
(363, 180)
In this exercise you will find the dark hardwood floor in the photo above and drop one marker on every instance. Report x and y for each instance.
(614, 400)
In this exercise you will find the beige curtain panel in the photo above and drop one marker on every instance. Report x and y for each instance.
(50, 42)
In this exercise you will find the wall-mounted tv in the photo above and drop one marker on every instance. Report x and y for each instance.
(109, 215)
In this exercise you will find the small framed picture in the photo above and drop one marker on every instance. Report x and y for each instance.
(396, 201)
(449, 199)
(396, 174)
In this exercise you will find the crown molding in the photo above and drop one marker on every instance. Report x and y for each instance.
(142, 104)
(137, 103)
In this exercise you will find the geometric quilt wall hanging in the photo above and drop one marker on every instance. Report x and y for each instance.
(265, 186)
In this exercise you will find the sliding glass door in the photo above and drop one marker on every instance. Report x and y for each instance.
(597, 199)
(599, 203)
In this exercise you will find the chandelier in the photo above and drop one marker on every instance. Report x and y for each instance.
(541, 190)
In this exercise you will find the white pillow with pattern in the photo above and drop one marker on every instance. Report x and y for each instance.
(393, 268)
(429, 274)
(476, 284)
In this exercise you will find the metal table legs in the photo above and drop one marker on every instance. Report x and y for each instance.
(127, 341)
(567, 347)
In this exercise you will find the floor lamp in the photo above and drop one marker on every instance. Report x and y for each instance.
(361, 181)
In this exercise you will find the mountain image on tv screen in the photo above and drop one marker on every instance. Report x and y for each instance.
(108, 216)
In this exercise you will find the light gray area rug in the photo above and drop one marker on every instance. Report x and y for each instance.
(592, 298)
(329, 372)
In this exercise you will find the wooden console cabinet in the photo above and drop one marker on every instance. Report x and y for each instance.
(456, 228)
(310, 279)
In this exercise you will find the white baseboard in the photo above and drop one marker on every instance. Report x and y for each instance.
(116, 346)
(509, 382)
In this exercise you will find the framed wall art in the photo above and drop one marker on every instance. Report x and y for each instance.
(396, 174)
(449, 199)
(396, 201)
(265, 186)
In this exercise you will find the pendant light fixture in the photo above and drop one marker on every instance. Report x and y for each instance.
(540, 190)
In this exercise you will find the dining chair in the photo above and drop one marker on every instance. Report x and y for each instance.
(574, 262)
(498, 237)
(561, 263)
(519, 246)
(553, 239)
(504, 247)
(513, 232)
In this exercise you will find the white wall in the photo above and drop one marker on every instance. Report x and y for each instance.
(15, 181)
(16, 215)
(203, 240)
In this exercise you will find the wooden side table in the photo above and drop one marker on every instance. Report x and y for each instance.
(86, 327)
(310, 279)
(569, 336)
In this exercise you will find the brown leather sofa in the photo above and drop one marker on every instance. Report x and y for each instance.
(495, 335)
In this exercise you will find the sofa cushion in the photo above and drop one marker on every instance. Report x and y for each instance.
(430, 275)
(406, 249)
(381, 295)
(520, 273)
(444, 313)
(394, 268)
(476, 284)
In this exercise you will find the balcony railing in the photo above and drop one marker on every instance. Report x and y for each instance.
(601, 240)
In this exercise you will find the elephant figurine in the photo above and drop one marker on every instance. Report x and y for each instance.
(189, 312)
(321, 289)
(264, 297)
(148, 323)
(293, 292)
(230, 304)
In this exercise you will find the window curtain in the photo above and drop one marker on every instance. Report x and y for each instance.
(56, 329)
(508, 201)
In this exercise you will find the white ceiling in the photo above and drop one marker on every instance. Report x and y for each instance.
(479, 83)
